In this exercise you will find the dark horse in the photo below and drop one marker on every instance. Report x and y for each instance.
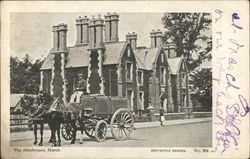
(40, 112)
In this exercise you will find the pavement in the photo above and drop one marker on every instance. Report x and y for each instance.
(171, 122)
(28, 135)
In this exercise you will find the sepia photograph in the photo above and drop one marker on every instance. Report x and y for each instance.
(161, 82)
(100, 77)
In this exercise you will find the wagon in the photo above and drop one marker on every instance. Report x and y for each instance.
(101, 113)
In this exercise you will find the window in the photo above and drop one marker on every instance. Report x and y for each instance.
(140, 77)
(162, 58)
(129, 71)
(128, 52)
(141, 99)
(162, 75)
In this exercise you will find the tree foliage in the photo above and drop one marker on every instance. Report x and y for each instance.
(188, 32)
(24, 75)
(201, 81)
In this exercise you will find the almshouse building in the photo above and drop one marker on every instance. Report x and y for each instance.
(149, 77)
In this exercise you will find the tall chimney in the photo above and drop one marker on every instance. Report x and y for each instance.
(59, 52)
(114, 27)
(60, 37)
(156, 38)
(132, 39)
(82, 30)
(111, 27)
(95, 82)
(96, 32)
(107, 27)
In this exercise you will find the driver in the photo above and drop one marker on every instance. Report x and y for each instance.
(81, 89)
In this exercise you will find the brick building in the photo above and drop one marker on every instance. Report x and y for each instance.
(116, 68)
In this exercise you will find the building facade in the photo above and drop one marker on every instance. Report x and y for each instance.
(151, 76)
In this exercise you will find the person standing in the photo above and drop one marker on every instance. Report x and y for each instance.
(162, 118)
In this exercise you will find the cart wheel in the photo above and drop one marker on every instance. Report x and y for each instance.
(89, 131)
(122, 124)
(67, 131)
(101, 130)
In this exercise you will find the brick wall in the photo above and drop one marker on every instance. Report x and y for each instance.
(129, 85)
(110, 80)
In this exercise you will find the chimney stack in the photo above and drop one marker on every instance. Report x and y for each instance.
(156, 38)
(82, 30)
(59, 53)
(95, 28)
(132, 39)
(111, 27)
(60, 37)
(170, 49)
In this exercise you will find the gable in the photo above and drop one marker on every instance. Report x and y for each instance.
(147, 56)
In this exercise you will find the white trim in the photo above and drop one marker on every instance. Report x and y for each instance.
(41, 80)
(89, 72)
(100, 71)
(52, 75)
(63, 77)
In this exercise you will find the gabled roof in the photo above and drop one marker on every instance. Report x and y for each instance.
(175, 64)
(140, 64)
(78, 56)
(148, 56)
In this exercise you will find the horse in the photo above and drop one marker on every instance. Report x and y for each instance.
(55, 117)
(40, 113)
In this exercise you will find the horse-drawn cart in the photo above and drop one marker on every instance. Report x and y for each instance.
(98, 113)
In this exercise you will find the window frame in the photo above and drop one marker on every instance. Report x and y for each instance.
(163, 83)
(142, 77)
(131, 71)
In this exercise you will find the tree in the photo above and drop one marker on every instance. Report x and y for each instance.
(190, 33)
(201, 81)
(24, 75)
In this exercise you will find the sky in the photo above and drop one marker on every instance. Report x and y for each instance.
(31, 33)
